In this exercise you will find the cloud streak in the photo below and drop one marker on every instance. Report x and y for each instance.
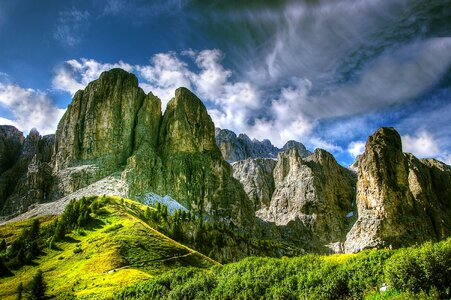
(71, 26)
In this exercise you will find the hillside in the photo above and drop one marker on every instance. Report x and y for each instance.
(115, 249)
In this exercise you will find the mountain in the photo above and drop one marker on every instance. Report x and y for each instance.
(401, 200)
(115, 140)
(112, 128)
(309, 199)
(235, 148)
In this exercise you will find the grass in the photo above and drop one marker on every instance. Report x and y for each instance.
(116, 250)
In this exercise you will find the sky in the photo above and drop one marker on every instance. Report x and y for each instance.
(326, 73)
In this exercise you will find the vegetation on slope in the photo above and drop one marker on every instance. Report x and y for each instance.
(411, 273)
(96, 247)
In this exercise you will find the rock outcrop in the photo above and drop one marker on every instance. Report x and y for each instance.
(187, 164)
(313, 197)
(114, 127)
(25, 176)
(401, 200)
(97, 130)
(235, 148)
(256, 175)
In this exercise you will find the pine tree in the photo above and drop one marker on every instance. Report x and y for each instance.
(4, 271)
(19, 291)
(35, 229)
(37, 286)
(2, 245)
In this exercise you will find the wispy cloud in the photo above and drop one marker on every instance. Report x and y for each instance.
(422, 144)
(356, 148)
(30, 108)
(140, 10)
(71, 26)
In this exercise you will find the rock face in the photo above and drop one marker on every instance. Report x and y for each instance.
(256, 175)
(401, 199)
(308, 199)
(187, 165)
(25, 176)
(98, 127)
(234, 148)
(113, 127)
(312, 196)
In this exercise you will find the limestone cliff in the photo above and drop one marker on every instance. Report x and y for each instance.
(113, 127)
(312, 197)
(256, 175)
(401, 199)
(25, 176)
(97, 131)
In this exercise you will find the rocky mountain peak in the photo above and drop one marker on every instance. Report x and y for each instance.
(11, 140)
(387, 138)
(235, 148)
(400, 199)
(99, 123)
(303, 152)
(186, 125)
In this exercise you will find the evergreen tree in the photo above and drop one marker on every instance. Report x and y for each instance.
(4, 271)
(2, 245)
(19, 291)
(60, 231)
(37, 287)
(34, 234)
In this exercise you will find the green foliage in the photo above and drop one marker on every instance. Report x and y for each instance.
(25, 248)
(422, 268)
(37, 287)
(77, 250)
(349, 276)
(365, 270)
(4, 271)
(2, 245)
(75, 215)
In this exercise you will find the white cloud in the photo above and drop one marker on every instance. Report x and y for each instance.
(310, 40)
(70, 27)
(422, 144)
(76, 74)
(4, 121)
(30, 108)
(165, 73)
(356, 148)
(320, 143)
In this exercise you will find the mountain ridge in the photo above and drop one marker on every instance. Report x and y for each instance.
(113, 129)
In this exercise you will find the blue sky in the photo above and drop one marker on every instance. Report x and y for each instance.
(327, 73)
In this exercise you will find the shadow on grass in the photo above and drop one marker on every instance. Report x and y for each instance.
(71, 240)
(94, 224)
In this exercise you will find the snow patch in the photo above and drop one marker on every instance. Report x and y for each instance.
(171, 203)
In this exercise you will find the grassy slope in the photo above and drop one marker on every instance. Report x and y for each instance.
(118, 249)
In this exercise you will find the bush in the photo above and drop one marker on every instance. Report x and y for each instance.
(422, 268)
